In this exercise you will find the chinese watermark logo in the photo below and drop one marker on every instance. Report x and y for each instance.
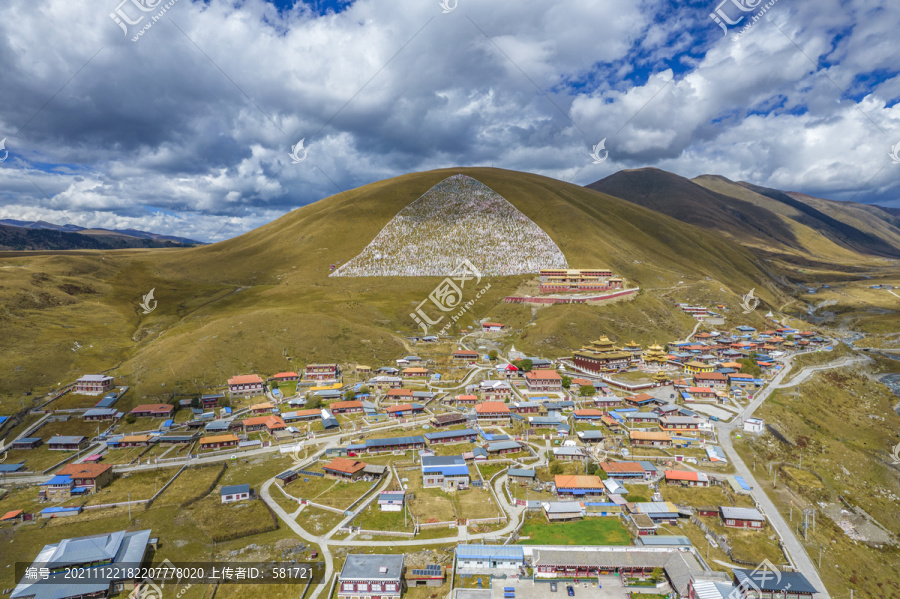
(749, 302)
(595, 153)
(296, 158)
(145, 304)
(448, 5)
(6, 153)
(734, 16)
(448, 295)
(895, 152)
(896, 454)
(131, 17)
(766, 576)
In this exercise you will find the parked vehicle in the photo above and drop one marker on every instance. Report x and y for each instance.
(570, 591)
(552, 587)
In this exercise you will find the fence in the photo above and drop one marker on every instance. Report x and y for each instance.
(327, 508)
(447, 524)
(386, 533)
(108, 505)
(164, 487)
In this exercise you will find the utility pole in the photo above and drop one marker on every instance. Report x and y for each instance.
(129, 507)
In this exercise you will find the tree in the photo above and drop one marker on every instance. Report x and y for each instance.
(586, 390)
(524, 364)
(349, 394)
(364, 389)
(592, 468)
(749, 366)
(492, 355)
(556, 467)
(566, 382)
(130, 419)
(195, 403)
(314, 402)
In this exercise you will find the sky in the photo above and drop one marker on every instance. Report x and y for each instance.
(183, 117)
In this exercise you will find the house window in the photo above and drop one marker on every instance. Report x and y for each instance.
(376, 587)
(362, 587)
(390, 587)
(729, 522)
(347, 586)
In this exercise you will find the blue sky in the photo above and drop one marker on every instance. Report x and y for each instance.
(187, 127)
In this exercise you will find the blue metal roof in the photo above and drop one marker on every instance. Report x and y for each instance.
(235, 489)
(466, 432)
(59, 479)
(12, 467)
(740, 480)
(447, 470)
(395, 441)
(57, 510)
(488, 552)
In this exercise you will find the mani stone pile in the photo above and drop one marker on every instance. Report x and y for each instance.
(459, 218)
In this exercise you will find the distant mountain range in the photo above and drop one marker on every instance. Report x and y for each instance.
(40, 235)
(773, 222)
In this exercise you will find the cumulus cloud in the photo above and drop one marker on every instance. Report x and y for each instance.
(187, 130)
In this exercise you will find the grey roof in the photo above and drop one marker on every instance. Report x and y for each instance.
(664, 540)
(479, 451)
(568, 450)
(765, 580)
(100, 412)
(369, 567)
(466, 432)
(119, 547)
(490, 551)
(741, 513)
(439, 460)
(235, 489)
(590, 434)
(66, 439)
(501, 445)
(218, 425)
(562, 507)
(642, 415)
(679, 420)
(395, 441)
(526, 472)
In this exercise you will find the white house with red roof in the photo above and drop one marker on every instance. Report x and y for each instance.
(246, 385)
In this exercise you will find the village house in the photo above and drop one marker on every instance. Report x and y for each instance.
(754, 425)
(650, 438)
(569, 453)
(589, 415)
(218, 441)
(642, 525)
(467, 435)
(632, 418)
(390, 444)
(67, 443)
(492, 411)
(261, 408)
(716, 380)
(322, 372)
(687, 478)
(210, 401)
(415, 373)
(521, 476)
(577, 485)
(607, 401)
(543, 380)
(258, 423)
(366, 576)
(391, 501)
(232, 493)
(134, 441)
(466, 355)
(492, 327)
(344, 469)
(93, 384)
(448, 419)
(286, 377)
(286, 477)
(445, 472)
(405, 410)
(100, 414)
(563, 511)
(578, 383)
(623, 470)
(501, 447)
(153, 410)
(26, 443)
(495, 390)
(176, 438)
(702, 393)
(660, 512)
(92, 477)
(476, 559)
(742, 517)
(697, 367)
(246, 385)
(346, 407)
(301, 415)
(641, 400)
(526, 407)
(590, 437)
(380, 384)
(465, 400)
(403, 395)
(760, 582)
(679, 424)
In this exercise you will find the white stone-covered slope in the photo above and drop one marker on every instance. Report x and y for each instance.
(459, 218)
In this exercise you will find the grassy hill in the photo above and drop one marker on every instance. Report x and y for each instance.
(263, 302)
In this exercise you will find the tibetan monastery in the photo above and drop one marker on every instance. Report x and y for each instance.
(603, 356)
(655, 355)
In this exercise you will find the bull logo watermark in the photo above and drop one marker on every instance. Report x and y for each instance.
(123, 19)
(764, 577)
(447, 295)
(749, 302)
(3, 148)
(448, 5)
(896, 455)
(145, 304)
(296, 158)
(723, 18)
(895, 153)
(595, 153)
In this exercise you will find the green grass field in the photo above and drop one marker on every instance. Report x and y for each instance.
(589, 531)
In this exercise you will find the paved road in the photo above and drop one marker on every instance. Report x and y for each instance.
(798, 554)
